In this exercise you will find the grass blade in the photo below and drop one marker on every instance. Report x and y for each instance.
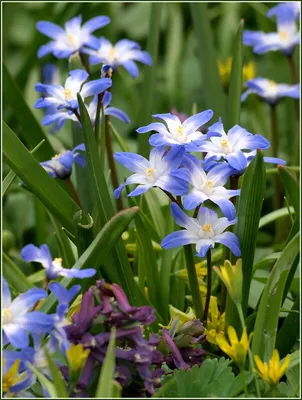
(208, 59)
(56, 376)
(55, 199)
(289, 331)
(15, 276)
(268, 312)
(273, 216)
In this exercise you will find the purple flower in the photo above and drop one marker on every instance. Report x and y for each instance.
(71, 39)
(17, 320)
(53, 268)
(124, 53)
(270, 91)
(204, 231)
(66, 97)
(60, 166)
(153, 173)
(177, 133)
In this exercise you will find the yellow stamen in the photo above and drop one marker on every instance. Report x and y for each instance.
(224, 142)
(58, 261)
(272, 84)
(207, 228)
(283, 34)
(180, 130)
(68, 94)
(149, 171)
(210, 184)
(6, 315)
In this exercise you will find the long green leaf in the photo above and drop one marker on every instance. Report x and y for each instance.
(268, 312)
(105, 386)
(63, 243)
(208, 59)
(56, 376)
(271, 217)
(94, 256)
(149, 77)
(31, 132)
(55, 199)
(290, 330)
(15, 276)
(292, 188)
(249, 211)
(235, 88)
(45, 382)
(104, 208)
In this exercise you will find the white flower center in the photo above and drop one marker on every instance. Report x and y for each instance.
(206, 231)
(150, 174)
(225, 146)
(284, 37)
(179, 134)
(208, 188)
(68, 94)
(73, 40)
(57, 264)
(6, 316)
(111, 55)
(272, 88)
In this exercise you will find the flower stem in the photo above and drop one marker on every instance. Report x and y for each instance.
(111, 162)
(293, 70)
(73, 192)
(251, 361)
(171, 197)
(97, 121)
(275, 145)
(193, 281)
(244, 382)
(294, 79)
(209, 286)
(85, 63)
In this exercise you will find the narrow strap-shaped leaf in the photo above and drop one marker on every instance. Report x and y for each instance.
(31, 132)
(95, 254)
(235, 88)
(55, 199)
(274, 215)
(45, 382)
(14, 275)
(249, 211)
(208, 59)
(57, 377)
(290, 330)
(147, 92)
(292, 188)
(84, 234)
(104, 208)
(271, 300)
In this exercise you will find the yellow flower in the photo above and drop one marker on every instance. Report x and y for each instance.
(273, 371)
(248, 71)
(76, 357)
(216, 323)
(10, 377)
(236, 350)
(75, 307)
(201, 272)
(231, 275)
(179, 318)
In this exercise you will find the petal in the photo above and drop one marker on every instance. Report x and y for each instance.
(237, 160)
(203, 246)
(246, 94)
(107, 97)
(117, 113)
(172, 185)
(42, 255)
(36, 322)
(193, 123)
(222, 224)
(95, 87)
(21, 304)
(6, 294)
(230, 240)
(96, 23)
(77, 273)
(217, 128)
(134, 162)
(179, 238)
(131, 68)
(62, 294)
(194, 199)
(50, 29)
(220, 174)
(274, 160)
(46, 49)
(159, 140)
(135, 178)
(16, 335)
(155, 126)
(74, 24)
(173, 158)
(206, 216)
(140, 190)
(75, 80)
(232, 335)
(171, 120)
(182, 219)
(142, 56)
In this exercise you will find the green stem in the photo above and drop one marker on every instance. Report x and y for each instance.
(294, 79)
(111, 162)
(85, 63)
(97, 121)
(274, 390)
(209, 286)
(293, 70)
(73, 192)
(275, 145)
(193, 281)
(244, 382)
(250, 354)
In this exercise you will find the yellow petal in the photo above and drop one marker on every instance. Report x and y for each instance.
(223, 344)
(232, 335)
(285, 365)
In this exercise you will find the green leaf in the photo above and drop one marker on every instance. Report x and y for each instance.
(289, 331)
(268, 312)
(249, 211)
(212, 88)
(274, 215)
(292, 188)
(56, 376)
(55, 199)
(7, 181)
(106, 380)
(235, 88)
(94, 256)
(15, 276)
(104, 209)
(84, 234)
(294, 359)
(63, 243)
(31, 132)
(271, 259)
(147, 91)
(45, 382)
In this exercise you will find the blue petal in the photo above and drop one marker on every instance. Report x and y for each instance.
(226, 206)
(62, 294)
(205, 245)
(46, 49)
(37, 322)
(42, 255)
(159, 140)
(274, 160)
(107, 97)
(237, 161)
(194, 199)
(50, 29)
(74, 23)
(179, 238)
(155, 126)
(131, 68)
(142, 56)
(77, 273)
(16, 335)
(140, 190)
(182, 219)
(95, 87)
(230, 240)
(117, 113)
(96, 23)
(172, 185)
(134, 162)
(6, 294)
(193, 123)
(175, 156)
(27, 300)
(182, 173)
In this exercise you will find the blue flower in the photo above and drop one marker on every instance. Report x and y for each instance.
(153, 173)
(60, 166)
(53, 267)
(64, 295)
(231, 146)
(270, 91)
(17, 320)
(279, 9)
(124, 53)
(284, 40)
(207, 186)
(71, 39)
(59, 117)
(204, 231)
(66, 97)
(177, 133)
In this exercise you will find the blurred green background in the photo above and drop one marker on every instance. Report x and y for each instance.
(179, 81)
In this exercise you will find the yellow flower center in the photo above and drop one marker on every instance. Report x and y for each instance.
(150, 171)
(272, 84)
(283, 35)
(11, 377)
(210, 184)
(6, 315)
(73, 39)
(207, 228)
(58, 261)
(112, 53)
(224, 143)
(68, 94)
(180, 130)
